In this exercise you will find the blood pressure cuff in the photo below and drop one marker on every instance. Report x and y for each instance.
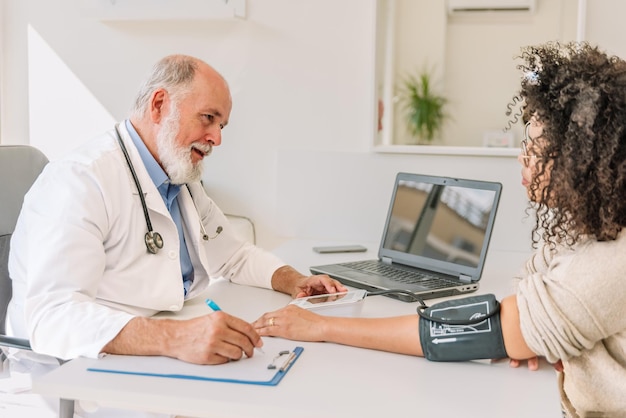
(462, 329)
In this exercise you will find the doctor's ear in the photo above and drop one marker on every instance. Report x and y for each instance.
(159, 102)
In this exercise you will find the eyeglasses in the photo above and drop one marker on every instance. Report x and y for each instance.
(526, 156)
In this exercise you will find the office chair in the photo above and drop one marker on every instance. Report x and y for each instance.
(19, 167)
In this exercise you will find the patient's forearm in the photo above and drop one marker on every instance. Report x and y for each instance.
(401, 334)
(397, 334)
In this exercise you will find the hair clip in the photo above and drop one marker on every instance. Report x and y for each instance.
(532, 77)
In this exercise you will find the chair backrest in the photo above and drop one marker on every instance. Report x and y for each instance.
(19, 167)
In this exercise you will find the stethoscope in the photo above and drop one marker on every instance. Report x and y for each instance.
(153, 240)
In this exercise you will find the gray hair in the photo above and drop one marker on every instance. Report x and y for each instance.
(174, 73)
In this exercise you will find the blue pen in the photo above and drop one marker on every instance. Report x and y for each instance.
(215, 307)
(211, 304)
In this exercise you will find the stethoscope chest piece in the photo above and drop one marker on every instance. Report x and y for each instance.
(154, 241)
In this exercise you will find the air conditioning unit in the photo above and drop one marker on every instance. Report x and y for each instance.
(462, 6)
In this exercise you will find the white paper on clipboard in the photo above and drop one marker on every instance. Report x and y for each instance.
(253, 370)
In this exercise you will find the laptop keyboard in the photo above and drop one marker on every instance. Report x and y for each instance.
(400, 275)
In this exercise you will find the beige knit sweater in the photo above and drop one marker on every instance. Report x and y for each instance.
(572, 305)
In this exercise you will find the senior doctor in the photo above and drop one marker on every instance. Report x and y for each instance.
(90, 267)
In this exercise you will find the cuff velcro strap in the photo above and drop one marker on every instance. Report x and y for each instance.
(462, 329)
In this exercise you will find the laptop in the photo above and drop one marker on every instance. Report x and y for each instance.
(434, 242)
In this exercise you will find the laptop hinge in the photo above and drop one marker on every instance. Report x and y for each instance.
(465, 278)
(386, 260)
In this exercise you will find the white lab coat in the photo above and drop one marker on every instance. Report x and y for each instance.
(79, 263)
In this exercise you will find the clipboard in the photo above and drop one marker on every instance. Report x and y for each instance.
(255, 370)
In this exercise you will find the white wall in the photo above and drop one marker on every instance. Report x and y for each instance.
(301, 76)
(605, 25)
(296, 156)
(481, 62)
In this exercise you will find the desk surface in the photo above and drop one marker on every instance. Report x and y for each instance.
(329, 380)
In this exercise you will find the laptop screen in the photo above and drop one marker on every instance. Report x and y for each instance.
(444, 221)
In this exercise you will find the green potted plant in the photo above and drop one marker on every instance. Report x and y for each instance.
(424, 109)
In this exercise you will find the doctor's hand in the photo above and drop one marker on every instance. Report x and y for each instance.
(214, 339)
(287, 280)
(293, 323)
(318, 284)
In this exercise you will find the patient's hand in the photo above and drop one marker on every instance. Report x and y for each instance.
(533, 363)
(293, 323)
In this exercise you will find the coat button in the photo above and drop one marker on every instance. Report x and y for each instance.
(172, 254)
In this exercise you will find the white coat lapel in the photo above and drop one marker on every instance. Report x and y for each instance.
(193, 233)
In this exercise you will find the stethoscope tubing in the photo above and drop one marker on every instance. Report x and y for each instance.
(135, 178)
(152, 239)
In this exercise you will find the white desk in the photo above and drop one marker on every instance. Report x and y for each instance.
(329, 380)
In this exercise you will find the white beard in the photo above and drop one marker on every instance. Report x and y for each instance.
(176, 160)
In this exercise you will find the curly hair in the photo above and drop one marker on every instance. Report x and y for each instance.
(578, 93)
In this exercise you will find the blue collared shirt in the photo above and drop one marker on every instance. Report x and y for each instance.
(168, 192)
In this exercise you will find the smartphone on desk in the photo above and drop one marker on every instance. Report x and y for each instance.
(340, 249)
